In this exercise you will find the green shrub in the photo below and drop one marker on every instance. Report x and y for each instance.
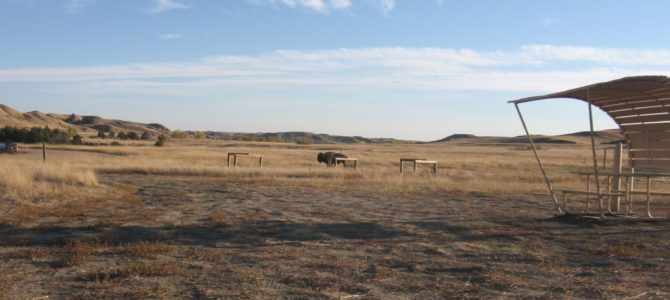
(162, 139)
(179, 134)
(76, 140)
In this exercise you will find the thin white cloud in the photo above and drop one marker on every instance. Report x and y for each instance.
(387, 5)
(171, 36)
(340, 4)
(549, 22)
(315, 5)
(76, 6)
(160, 6)
(530, 68)
(324, 6)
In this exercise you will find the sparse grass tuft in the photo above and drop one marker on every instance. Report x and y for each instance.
(77, 253)
(137, 270)
(6, 284)
(144, 249)
(32, 254)
(219, 219)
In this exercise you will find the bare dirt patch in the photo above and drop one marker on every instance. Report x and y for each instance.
(288, 235)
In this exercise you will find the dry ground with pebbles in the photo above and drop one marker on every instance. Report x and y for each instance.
(140, 222)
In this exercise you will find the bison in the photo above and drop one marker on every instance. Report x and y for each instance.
(328, 158)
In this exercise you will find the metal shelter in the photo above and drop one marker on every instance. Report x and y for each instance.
(639, 105)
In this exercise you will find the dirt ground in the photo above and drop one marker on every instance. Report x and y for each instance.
(174, 236)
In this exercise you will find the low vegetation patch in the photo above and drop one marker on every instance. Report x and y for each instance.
(29, 180)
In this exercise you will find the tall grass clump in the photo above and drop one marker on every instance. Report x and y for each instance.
(30, 179)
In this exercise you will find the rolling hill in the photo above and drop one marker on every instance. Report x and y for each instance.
(12, 117)
(584, 137)
(301, 138)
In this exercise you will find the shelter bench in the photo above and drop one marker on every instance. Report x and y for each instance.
(346, 160)
(619, 191)
(416, 162)
(567, 192)
(235, 155)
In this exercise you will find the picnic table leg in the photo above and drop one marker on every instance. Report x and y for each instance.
(609, 199)
(228, 160)
(401, 167)
(435, 168)
(649, 197)
(588, 197)
(414, 167)
(235, 160)
(355, 164)
(629, 196)
(565, 203)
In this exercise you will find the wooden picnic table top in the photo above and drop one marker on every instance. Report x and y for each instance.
(624, 174)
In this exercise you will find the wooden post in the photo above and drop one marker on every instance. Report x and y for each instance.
(260, 161)
(44, 151)
(617, 167)
(415, 167)
(649, 197)
(401, 163)
(435, 168)
(595, 158)
(588, 195)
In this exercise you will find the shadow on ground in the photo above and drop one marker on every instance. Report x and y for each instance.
(56, 236)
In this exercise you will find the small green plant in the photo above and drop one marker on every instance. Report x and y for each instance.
(77, 140)
(115, 143)
(179, 134)
(199, 135)
(162, 139)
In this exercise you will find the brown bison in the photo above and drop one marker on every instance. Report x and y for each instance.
(328, 158)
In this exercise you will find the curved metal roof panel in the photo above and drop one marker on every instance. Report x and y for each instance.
(640, 106)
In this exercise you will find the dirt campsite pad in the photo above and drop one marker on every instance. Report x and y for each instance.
(181, 225)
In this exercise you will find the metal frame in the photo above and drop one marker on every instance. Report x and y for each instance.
(539, 160)
(640, 106)
(547, 181)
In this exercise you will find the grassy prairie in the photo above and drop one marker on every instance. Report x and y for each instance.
(172, 223)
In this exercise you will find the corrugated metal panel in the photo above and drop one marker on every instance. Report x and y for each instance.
(640, 106)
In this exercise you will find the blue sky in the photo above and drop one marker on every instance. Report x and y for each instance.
(419, 69)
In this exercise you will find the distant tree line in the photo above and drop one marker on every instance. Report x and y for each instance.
(181, 134)
(40, 135)
(131, 135)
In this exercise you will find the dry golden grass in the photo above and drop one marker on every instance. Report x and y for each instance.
(144, 249)
(25, 178)
(508, 169)
(77, 253)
